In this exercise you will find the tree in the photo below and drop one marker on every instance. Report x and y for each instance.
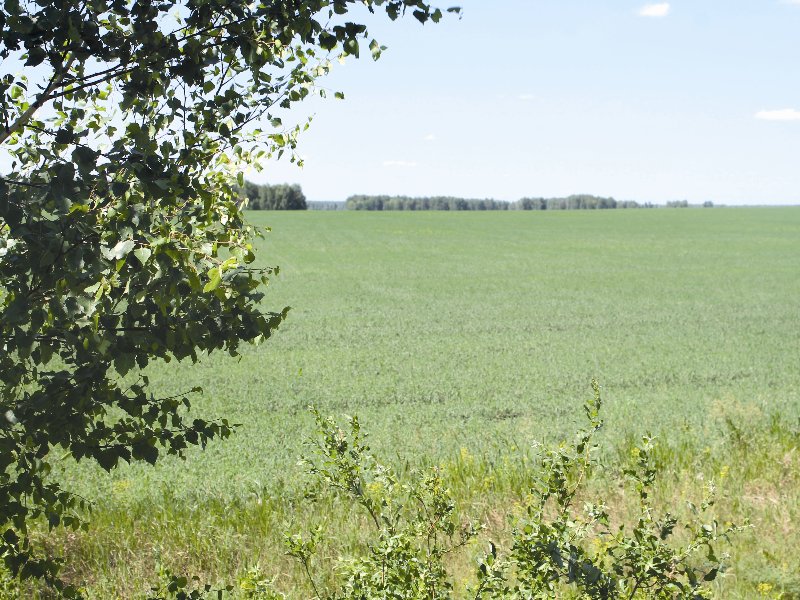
(122, 239)
(251, 191)
(273, 197)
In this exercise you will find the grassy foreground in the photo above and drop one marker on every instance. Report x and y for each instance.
(459, 339)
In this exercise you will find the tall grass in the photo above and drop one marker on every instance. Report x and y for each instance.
(754, 465)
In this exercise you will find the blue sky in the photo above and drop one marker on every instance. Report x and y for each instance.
(696, 100)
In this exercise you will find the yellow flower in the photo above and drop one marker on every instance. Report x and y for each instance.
(121, 486)
(374, 489)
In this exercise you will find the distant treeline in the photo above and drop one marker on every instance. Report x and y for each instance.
(575, 202)
(433, 203)
(291, 197)
(326, 205)
(685, 204)
(274, 197)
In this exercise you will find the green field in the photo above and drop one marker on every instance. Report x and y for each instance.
(475, 331)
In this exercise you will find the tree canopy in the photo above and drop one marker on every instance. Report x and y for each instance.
(122, 239)
(281, 196)
(574, 202)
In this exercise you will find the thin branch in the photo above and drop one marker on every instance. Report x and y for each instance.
(45, 96)
(311, 579)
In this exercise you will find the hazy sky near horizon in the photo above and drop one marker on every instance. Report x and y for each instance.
(696, 100)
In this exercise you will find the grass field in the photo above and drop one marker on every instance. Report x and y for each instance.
(454, 334)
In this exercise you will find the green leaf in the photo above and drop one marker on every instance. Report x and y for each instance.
(10, 537)
(143, 450)
(215, 277)
(142, 255)
(36, 56)
(85, 158)
(119, 251)
(107, 459)
(124, 362)
(376, 49)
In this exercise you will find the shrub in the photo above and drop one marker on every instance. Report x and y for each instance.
(556, 549)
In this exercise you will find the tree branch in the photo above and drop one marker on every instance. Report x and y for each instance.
(45, 96)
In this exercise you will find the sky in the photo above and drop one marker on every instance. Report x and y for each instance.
(659, 101)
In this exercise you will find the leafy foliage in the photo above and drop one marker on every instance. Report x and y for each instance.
(179, 587)
(415, 524)
(557, 549)
(574, 202)
(274, 197)
(557, 545)
(362, 202)
(122, 240)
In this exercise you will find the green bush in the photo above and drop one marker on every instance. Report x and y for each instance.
(557, 548)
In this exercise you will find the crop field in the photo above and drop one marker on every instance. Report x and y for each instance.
(466, 334)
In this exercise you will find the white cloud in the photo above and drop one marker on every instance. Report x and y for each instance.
(790, 2)
(784, 114)
(654, 10)
(526, 97)
(399, 163)
(430, 137)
